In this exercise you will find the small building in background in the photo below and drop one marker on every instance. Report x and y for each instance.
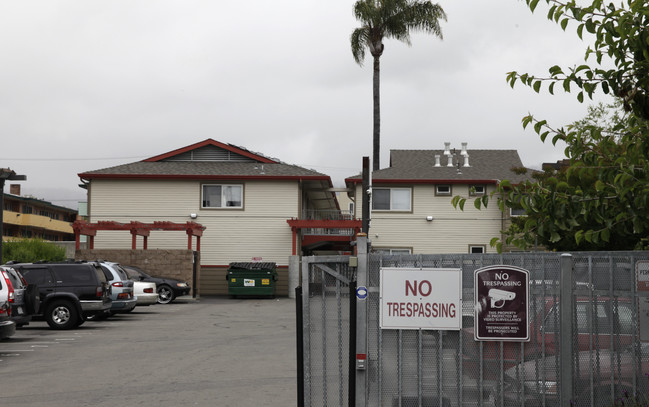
(26, 217)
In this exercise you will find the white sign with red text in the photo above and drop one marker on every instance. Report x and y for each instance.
(429, 298)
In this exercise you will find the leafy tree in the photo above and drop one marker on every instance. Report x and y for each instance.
(31, 250)
(382, 19)
(600, 198)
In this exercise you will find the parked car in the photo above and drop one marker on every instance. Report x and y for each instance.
(595, 321)
(122, 296)
(607, 368)
(69, 292)
(7, 326)
(145, 292)
(23, 299)
(168, 288)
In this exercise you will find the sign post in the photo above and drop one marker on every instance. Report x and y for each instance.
(501, 304)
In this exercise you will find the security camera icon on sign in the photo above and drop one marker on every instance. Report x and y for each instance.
(498, 297)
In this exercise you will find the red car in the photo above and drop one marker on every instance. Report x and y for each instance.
(595, 322)
(602, 377)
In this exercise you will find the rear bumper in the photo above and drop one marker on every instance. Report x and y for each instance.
(19, 315)
(147, 299)
(91, 307)
(123, 305)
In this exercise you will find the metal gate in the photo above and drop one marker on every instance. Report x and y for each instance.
(591, 357)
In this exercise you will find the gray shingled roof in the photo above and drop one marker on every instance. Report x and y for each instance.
(202, 169)
(419, 165)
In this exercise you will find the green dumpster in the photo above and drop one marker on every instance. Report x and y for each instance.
(256, 279)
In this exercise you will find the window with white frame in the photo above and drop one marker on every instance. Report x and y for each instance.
(442, 190)
(222, 196)
(477, 248)
(391, 199)
(477, 189)
(517, 212)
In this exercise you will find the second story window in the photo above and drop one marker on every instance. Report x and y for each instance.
(222, 196)
(391, 199)
(442, 190)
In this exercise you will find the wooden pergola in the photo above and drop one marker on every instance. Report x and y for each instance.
(81, 227)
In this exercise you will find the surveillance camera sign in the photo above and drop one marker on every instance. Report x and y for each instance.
(501, 304)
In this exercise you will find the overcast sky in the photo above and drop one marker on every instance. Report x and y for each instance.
(87, 85)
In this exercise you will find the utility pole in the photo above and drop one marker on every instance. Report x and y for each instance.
(365, 191)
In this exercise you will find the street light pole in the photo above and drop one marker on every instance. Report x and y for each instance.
(6, 174)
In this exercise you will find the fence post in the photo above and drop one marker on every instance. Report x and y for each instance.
(361, 320)
(299, 331)
(566, 306)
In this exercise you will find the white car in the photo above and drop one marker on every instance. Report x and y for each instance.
(145, 292)
(7, 326)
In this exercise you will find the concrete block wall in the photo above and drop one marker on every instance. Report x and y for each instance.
(176, 264)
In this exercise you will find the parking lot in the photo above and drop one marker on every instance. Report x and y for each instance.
(208, 352)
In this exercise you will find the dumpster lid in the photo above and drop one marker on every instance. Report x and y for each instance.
(253, 266)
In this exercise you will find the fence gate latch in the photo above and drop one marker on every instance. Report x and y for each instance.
(361, 361)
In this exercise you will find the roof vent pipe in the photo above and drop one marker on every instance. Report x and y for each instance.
(450, 161)
(466, 160)
(464, 153)
(437, 164)
(447, 149)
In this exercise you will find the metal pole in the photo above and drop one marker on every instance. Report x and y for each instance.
(300, 345)
(365, 201)
(352, 344)
(566, 306)
(361, 322)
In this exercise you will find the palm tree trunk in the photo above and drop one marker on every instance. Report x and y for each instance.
(377, 116)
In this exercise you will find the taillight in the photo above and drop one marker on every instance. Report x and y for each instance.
(12, 296)
(100, 292)
(118, 284)
(148, 290)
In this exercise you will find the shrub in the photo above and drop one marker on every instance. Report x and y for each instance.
(31, 250)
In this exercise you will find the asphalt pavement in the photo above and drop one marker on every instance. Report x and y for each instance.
(213, 351)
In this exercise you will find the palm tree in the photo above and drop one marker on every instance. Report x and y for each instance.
(389, 19)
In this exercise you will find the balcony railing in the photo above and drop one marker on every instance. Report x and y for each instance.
(328, 215)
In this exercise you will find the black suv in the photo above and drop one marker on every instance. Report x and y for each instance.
(69, 292)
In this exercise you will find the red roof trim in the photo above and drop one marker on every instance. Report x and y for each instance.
(424, 181)
(211, 142)
(207, 177)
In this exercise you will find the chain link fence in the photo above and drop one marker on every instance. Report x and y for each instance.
(449, 368)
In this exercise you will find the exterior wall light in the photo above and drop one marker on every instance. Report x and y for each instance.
(429, 218)
(193, 215)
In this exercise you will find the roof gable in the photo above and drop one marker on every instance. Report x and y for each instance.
(211, 151)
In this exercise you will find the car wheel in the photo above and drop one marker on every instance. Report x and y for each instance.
(62, 315)
(165, 294)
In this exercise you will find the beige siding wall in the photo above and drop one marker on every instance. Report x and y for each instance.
(258, 231)
(451, 231)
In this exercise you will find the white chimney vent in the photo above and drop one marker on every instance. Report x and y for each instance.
(464, 152)
(437, 164)
(466, 160)
(447, 148)
(450, 161)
